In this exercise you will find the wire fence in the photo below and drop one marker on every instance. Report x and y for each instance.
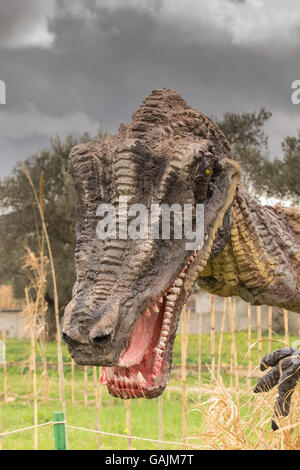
(234, 368)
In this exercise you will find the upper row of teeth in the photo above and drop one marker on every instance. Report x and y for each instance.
(173, 292)
(171, 298)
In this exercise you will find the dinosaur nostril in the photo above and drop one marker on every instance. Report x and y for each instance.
(101, 338)
(66, 338)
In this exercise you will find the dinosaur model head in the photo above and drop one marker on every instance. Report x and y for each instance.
(129, 293)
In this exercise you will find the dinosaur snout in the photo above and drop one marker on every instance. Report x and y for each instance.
(89, 329)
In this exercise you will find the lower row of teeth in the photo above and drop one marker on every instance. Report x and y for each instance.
(131, 384)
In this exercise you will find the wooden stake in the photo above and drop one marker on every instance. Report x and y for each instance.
(249, 347)
(86, 401)
(212, 338)
(45, 375)
(221, 338)
(286, 326)
(33, 368)
(4, 367)
(259, 334)
(0, 425)
(183, 375)
(99, 392)
(96, 388)
(160, 420)
(128, 422)
(35, 398)
(29, 381)
(73, 380)
(270, 315)
(199, 355)
(232, 312)
(231, 351)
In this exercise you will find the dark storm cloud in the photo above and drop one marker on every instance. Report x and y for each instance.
(104, 56)
(25, 23)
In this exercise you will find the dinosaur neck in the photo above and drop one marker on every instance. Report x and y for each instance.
(261, 260)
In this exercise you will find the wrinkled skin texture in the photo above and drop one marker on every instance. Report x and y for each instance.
(129, 294)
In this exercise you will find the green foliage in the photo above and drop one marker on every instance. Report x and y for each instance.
(281, 178)
(20, 222)
(245, 132)
(276, 177)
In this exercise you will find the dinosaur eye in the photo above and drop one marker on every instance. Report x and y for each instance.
(209, 171)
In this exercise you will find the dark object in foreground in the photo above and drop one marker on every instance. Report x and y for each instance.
(285, 372)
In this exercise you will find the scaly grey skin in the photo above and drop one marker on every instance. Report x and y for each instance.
(129, 293)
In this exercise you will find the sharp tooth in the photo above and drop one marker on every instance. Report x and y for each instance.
(155, 308)
(140, 378)
(166, 322)
(164, 333)
(126, 380)
(160, 300)
(171, 298)
(121, 363)
(168, 315)
(158, 361)
(178, 282)
(148, 313)
(158, 350)
(162, 344)
(182, 275)
(175, 290)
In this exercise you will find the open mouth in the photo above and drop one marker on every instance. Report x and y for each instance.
(143, 365)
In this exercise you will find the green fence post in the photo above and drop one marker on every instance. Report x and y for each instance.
(59, 431)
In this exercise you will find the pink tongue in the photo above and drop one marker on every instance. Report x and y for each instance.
(139, 341)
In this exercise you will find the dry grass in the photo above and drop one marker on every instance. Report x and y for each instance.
(227, 427)
(44, 244)
(35, 267)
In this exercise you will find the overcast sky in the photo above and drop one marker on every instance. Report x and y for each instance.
(72, 65)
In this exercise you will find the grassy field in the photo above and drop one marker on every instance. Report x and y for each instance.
(18, 412)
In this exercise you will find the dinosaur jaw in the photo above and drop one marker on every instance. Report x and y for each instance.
(143, 367)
